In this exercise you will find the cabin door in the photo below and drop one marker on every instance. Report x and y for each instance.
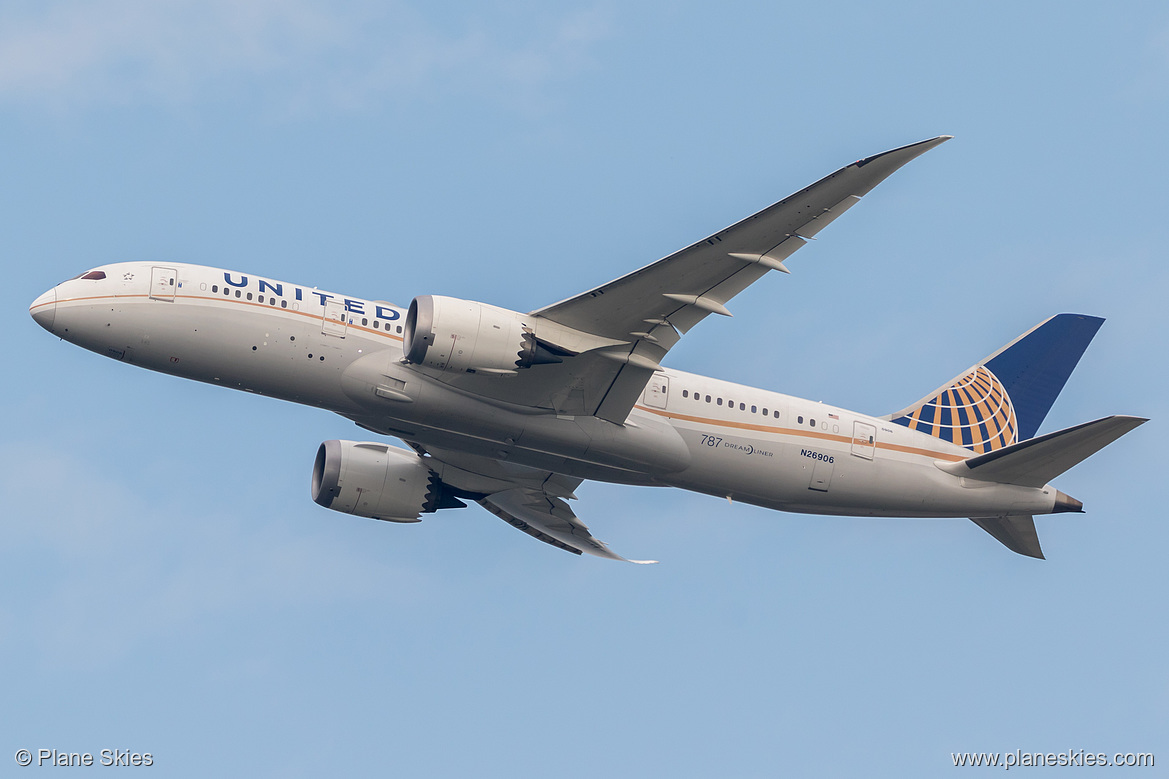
(335, 320)
(657, 391)
(864, 439)
(163, 283)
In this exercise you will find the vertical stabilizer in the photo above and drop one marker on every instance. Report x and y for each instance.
(1005, 398)
(1014, 531)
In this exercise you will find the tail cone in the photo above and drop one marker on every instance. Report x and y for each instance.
(1066, 503)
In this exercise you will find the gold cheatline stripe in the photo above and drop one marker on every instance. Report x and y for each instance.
(801, 433)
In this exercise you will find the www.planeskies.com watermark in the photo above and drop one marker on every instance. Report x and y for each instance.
(1070, 758)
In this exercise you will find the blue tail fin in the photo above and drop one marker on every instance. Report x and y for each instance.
(1004, 398)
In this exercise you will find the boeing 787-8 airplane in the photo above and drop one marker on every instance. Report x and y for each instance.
(514, 410)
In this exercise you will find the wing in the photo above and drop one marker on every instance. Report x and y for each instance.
(607, 342)
(528, 499)
(650, 308)
(549, 519)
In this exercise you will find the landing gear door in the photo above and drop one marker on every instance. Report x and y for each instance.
(163, 283)
(657, 391)
(335, 320)
(864, 439)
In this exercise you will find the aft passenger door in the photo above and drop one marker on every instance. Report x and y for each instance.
(864, 439)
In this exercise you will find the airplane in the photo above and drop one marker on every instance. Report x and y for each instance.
(515, 410)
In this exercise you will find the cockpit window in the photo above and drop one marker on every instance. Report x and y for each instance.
(93, 275)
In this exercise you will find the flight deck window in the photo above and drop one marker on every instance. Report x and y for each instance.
(94, 275)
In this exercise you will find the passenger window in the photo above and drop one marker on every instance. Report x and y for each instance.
(364, 322)
(812, 422)
(238, 293)
(765, 412)
(249, 296)
(720, 401)
(799, 420)
(685, 393)
(708, 398)
(261, 298)
(375, 324)
(215, 288)
(775, 413)
(284, 304)
(754, 409)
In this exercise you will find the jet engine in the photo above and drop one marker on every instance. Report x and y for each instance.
(464, 336)
(377, 481)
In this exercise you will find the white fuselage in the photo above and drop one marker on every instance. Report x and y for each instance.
(344, 354)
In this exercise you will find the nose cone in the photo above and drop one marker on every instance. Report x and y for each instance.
(44, 309)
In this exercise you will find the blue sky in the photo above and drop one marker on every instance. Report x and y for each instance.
(168, 586)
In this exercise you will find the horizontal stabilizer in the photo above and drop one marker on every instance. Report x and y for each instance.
(1035, 462)
(1015, 531)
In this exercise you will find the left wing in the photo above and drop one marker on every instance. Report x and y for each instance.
(528, 499)
(550, 519)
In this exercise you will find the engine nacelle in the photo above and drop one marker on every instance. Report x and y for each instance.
(461, 335)
(377, 481)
